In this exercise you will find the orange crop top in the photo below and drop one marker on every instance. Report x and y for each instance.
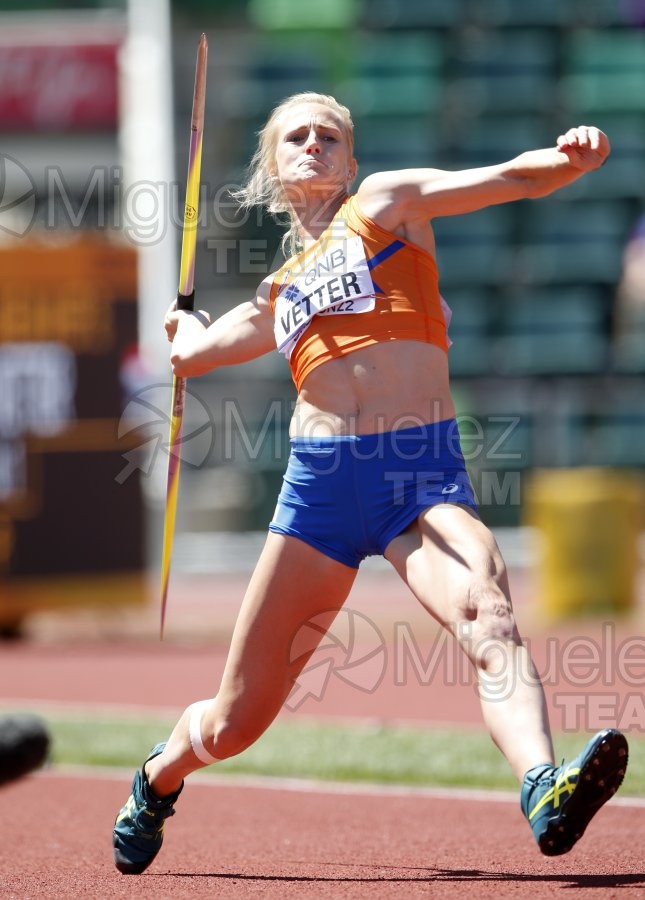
(357, 285)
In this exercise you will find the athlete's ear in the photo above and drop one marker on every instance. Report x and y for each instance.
(352, 170)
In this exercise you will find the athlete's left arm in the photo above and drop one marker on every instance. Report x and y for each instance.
(396, 197)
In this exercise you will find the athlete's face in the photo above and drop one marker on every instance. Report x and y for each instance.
(313, 147)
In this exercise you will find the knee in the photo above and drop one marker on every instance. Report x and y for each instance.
(486, 618)
(495, 619)
(232, 735)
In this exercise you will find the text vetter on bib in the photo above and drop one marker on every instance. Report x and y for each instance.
(336, 281)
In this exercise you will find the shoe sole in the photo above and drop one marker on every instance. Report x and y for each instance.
(126, 867)
(601, 774)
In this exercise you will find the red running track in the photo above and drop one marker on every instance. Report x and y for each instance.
(239, 841)
(231, 841)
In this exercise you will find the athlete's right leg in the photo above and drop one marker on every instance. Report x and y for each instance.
(292, 583)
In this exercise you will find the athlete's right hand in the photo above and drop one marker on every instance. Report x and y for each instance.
(171, 320)
(174, 315)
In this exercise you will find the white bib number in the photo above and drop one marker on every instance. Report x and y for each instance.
(336, 282)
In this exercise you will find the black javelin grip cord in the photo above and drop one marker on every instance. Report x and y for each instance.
(186, 302)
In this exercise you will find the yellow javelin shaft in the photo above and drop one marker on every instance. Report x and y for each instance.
(185, 300)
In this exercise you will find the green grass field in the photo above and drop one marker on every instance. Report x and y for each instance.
(359, 752)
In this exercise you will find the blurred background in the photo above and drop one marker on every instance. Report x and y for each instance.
(548, 297)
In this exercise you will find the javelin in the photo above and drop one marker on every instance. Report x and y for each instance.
(185, 300)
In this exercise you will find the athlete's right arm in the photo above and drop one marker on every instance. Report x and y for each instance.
(242, 334)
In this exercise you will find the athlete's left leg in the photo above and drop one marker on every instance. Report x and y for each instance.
(452, 564)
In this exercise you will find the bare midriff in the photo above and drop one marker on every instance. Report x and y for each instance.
(383, 387)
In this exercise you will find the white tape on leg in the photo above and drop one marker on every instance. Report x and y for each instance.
(195, 732)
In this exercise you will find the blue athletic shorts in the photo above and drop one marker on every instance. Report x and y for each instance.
(350, 495)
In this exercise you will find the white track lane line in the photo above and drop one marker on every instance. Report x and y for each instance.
(313, 786)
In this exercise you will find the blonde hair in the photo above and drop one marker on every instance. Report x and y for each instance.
(260, 188)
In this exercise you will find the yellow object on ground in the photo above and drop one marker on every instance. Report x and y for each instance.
(590, 521)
